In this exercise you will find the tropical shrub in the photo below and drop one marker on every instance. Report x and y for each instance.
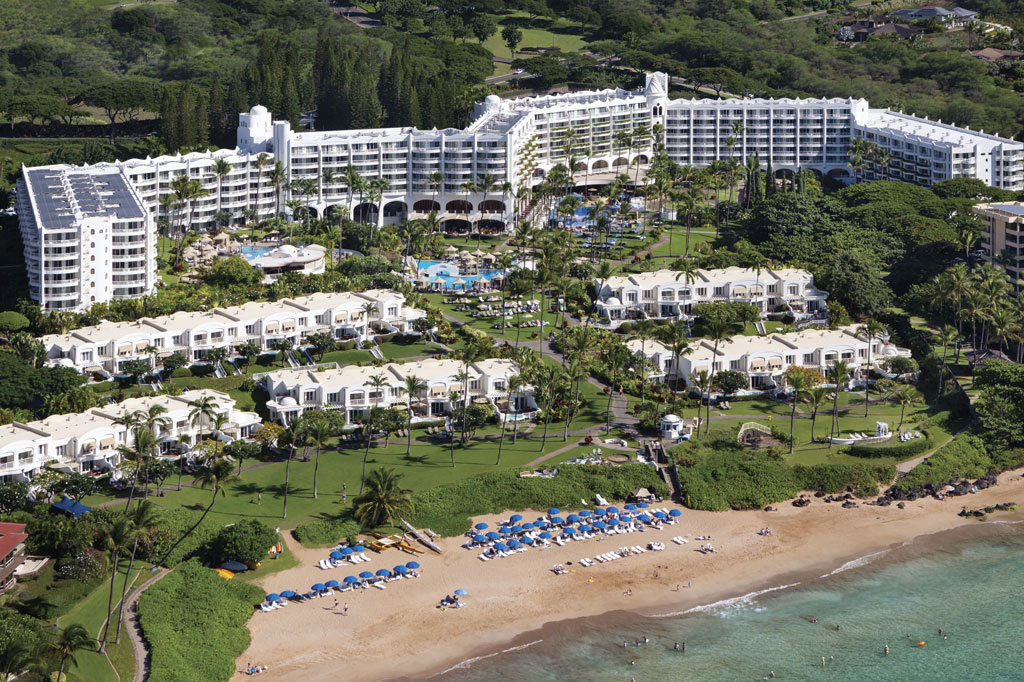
(325, 532)
(896, 450)
(245, 541)
(962, 457)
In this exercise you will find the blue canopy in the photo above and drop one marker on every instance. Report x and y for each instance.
(501, 547)
(350, 580)
(527, 540)
(337, 555)
(513, 543)
(273, 596)
(645, 518)
(600, 512)
(642, 505)
(365, 575)
(319, 587)
(527, 526)
(660, 514)
(613, 522)
(491, 535)
(358, 548)
(347, 551)
(481, 526)
(288, 594)
(585, 528)
(570, 530)
(505, 530)
(613, 510)
(573, 518)
(540, 523)
(480, 538)
(600, 524)
(558, 519)
(461, 593)
(412, 565)
(674, 512)
(545, 535)
(400, 569)
(383, 573)
(72, 508)
(585, 513)
(332, 583)
(625, 518)
(553, 511)
(517, 529)
(630, 507)
(515, 517)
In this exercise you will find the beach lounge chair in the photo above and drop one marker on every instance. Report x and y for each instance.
(362, 555)
(380, 586)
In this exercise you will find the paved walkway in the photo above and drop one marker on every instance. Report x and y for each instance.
(134, 630)
(357, 15)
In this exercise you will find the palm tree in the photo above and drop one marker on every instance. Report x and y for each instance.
(203, 408)
(908, 395)
(368, 310)
(72, 639)
(319, 432)
(144, 446)
(368, 428)
(116, 537)
(383, 501)
(702, 381)
(816, 398)
(216, 476)
(551, 378)
(435, 181)
(719, 331)
(278, 178)
(142, 518)
(800, 383)
(948, 335)
(221, 169)
(485, 186)
(17, 658)
(837, 374)
(870, 330)
(644, 331)
(413, 387)
(262, 161)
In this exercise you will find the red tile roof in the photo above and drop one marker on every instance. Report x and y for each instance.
(11, 536)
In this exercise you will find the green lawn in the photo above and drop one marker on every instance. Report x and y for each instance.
(486, 323)
(540, 33)
(679, 242)
(393, 350)
(347, 357)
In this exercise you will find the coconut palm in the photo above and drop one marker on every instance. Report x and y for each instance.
(16, 658)
(220, 168)
(948, 335)
(718, 331)
(144, 445)
(800, 383)
(319, 433)
(908, 395)
(216, 476)
(516, 382)
(368, 310)
(142, 519)
(368, 428)
(816, 398)
(383, 501)
(72, 639)
(870, 331)
(702, 381)
(203, 409)
(837, 374)
(643, 330)
(414, 386)
(115, 537)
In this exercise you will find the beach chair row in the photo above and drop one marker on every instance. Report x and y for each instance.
(327, 564)
(679, 540)
(621, 553)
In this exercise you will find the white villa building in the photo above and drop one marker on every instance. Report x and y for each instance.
(89, 441)
(347, 389)
(512, 142)
(107, 346)
(660, 294)
(306, 260)
(764, 359)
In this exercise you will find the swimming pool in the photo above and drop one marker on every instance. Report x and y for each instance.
(253, 252)
(449, 273)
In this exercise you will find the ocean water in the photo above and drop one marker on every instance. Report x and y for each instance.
(969, 582)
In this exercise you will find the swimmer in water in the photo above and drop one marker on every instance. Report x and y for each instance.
(823, 661)
(886, 649)
(676, 647)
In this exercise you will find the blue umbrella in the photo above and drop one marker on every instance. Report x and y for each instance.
(600, 524)
(501, 547)
(319, 587)
(347, 551)
(527, 526)
(545, 535)
(573, 518)
(491, 535)
(645, 518)
(585, 513)
(273, 596)
(674, 512)
(517, 529)
(642, 505)
(505, 530)
(513, 544)
(412, 565)
(553, 511)
(365, 575)
(332, 583)
(660, 514)
(515, 517)
(630, 507)
(540, 523)
(337, 555)
(613, 522)
(558, 519)
(599, 512)
(480, 538)
(613, 510)
(526, 540)
(481, 526)
(288, 594)
(570, 530)
(461, 593)
(383, 573)
(625, 518)
(358, 548)
(585, 528)
(400, 569)
(350, 580)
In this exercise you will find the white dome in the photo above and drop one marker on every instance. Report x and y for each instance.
(492, 101)
(614, 301)
(288, 401)
(671, 419)
(259, 110)
(285, 251)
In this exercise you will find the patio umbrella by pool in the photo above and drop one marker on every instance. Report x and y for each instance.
(273, 596)
(366, 575)
(412, 565)
(332, 583)
(515, 517)
(350, 580)
(553, 511)
(319, 587)
(461, 593)
(674, 512)
(288, 594)
(347, 551)
(400, 569)
(481, 526)
(383, 573)
(491, 535)
(337, 555)
(480, 538)
(660, 515)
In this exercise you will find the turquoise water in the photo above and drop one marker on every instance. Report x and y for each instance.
(449, 272)
(969, 587)
(252, 252)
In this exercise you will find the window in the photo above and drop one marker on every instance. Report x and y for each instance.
(862, 352)
(702, 291)
(87, 356)
(790, 359)
(648, 293)
(793, 290)
(808, 358)
(734, 365)
(474, 384)
(395, 391)
(333, 397)
(719, 291)
(250, 329)
(62, 450)
(631, 297)
(309, 396)
(499, 384)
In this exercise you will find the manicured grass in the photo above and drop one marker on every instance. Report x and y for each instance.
(469, 241)
(541, 32)
(485, 323)
(347, 357)
(679, 242)
(397, 351)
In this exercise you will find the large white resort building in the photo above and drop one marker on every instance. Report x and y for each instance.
(76, 220)
(104, 348)
(89, 441)
(765, 359)
(349, 389)
(667, 294)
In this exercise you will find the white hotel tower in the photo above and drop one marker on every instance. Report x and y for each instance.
(514, 141)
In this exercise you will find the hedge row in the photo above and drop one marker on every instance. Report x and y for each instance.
(904, 450)
(194, 622)
(964, 457)
(325, 532)
(447, 509)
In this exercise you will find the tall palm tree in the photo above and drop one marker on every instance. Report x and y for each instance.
(142, 519)
(702, 381)
(368, 429)
(72, 639)
(644, 331)
(319, 432)
(485, 186)
(799, 383)
(144, 445)
(816, 397)
(153, 419)
(837, 374)
(383, 501)
(414, 386)
(204, 408)
(115, 537)
(220, 168)
(718, 331)
(262, 161)
(948, 335)
(552, 380)
(216, 476)
(908, 396)
(368, 310)
(870, 331)
(279, 179)
(435, 181)
(16, 659)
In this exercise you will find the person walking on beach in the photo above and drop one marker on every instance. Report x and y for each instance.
(344, 610)
(335, 605)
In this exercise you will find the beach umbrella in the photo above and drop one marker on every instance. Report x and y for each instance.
(642, 505)
(660, 515)
(558, 519)
(319, 587)
(517, 529)
(505, 530)
(383, 573)
(585, 513)
(545, 535)
(481, 526)
(553, 511)
(570, 530)
(585, 528)
(480, 538)
(332, 583)
(461, 593)
(613, 510)
(527, 526)
(513, 544)
(600, 524)
(630, 507)
(273, 596)
(491, 535)
(599, 512)
(400, 569)
(350, 580)
(625, 518)
(645, 518)
(347, 551)
(358, 548)
(337, 555)
(516, 517)
(501, 547)
(288, 594)
(540, 523)
(527, 540)
(366, 575)
(412, 565)
(613, 522)
(674, 512)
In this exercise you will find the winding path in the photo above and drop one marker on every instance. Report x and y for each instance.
(134, 630)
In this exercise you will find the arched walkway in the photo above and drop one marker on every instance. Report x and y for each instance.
(459, 206)
(492, 206)
(394, 208)
(488, 226)
(839, 173)
(620, 162)
(456, 226)
(426, 206)
(599, 166)
(642, 160)
(365, 212)
(581, 166)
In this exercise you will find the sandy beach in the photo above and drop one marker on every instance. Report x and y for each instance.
(399, 633)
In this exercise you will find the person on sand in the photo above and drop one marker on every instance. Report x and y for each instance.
(344, 609)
